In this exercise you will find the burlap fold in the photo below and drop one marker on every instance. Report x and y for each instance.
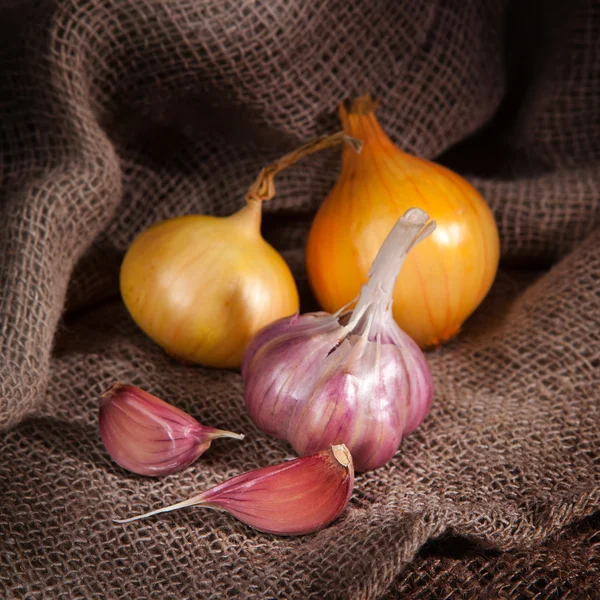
(117, 114)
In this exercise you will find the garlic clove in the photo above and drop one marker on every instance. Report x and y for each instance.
(298, 341)
(149, 436)
(296, 497)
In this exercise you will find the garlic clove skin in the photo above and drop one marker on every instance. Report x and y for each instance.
(297, 497)
(297, 340)
(149, 436)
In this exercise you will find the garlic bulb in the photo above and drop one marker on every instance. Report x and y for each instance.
(292, 498)
(149, 436)
(354, 378)
(446, 277)
(202, 286)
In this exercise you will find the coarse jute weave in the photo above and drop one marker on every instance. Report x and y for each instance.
(115, 114)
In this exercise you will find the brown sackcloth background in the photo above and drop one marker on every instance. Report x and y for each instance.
(115, 114)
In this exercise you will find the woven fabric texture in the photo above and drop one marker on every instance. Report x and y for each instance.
(115, 114)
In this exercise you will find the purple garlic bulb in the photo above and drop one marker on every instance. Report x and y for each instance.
(352, 378)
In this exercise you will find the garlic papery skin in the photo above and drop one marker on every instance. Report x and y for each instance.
(446, 277)
(296, 497)
(201, 286)
(354, 378)
(149, 436)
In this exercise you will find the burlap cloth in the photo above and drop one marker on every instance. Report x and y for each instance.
(118, 113)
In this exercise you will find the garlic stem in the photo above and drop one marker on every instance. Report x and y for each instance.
(413, 227)
(264, 186)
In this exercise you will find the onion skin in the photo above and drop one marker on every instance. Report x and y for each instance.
(202, 286)
(446, 277)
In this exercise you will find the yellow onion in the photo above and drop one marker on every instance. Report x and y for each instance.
(201, 286)
(443, 279)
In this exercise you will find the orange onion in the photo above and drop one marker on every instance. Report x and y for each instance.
(443, 279)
